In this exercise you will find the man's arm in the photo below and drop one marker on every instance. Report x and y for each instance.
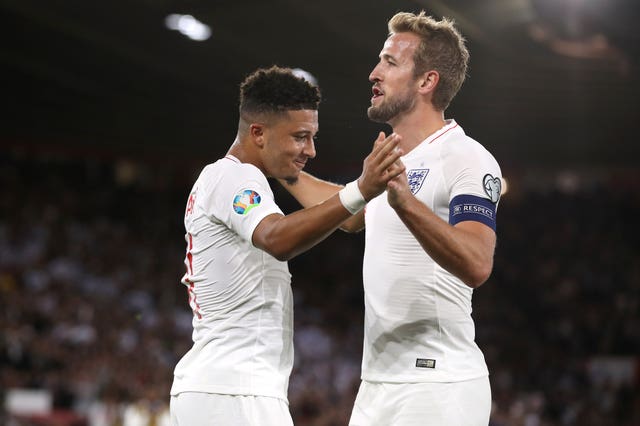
(284, 237)
(465, 249)
(309, 191)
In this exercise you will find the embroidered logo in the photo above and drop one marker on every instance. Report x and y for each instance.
(245, 200)
(416, 179)
(492, 187)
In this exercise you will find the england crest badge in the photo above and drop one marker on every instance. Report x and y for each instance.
(416, 179)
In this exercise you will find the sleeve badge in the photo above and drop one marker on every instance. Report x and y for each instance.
(492, 187)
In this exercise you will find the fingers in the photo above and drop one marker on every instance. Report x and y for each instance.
(398, 191)
(383, 145)
(394, 170)
(379, 141)
(385, 157)
(391, 161)
(385, 153)
(381, 165)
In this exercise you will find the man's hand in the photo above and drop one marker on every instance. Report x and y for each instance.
(380, 166)
(398, 190)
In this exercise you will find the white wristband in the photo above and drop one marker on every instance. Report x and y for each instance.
(351, 197)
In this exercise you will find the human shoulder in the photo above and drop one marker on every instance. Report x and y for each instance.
(228, 185)
(469, 168)
(232, 164)
(461, 148)
(230, 172)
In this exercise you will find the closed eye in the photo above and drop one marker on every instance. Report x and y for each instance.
(389, 59)
(302, 137)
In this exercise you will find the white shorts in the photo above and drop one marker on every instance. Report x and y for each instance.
(465, 403)
(212, 409)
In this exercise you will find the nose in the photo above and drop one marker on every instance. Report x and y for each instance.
(310, 148)
(374, 76)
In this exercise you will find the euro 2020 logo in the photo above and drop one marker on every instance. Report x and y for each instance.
(244, 201)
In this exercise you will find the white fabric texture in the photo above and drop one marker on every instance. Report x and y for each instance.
(418, 325)
(240, 295)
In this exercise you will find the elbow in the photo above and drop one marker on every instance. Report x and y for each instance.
(276, 245)
(354, 224)
(277, 249)
(282, 255)
(478, 275)
(285, 257)
(475, 281)
(350, 228)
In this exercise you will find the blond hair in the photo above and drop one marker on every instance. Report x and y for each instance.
(442, 48)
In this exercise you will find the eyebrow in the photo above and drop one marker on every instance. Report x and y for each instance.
(387, 57)
(303, 132)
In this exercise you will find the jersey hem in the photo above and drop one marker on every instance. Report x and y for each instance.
(412, 379)
(224, 390)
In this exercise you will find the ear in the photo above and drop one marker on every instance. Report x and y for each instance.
(256, 131)
(428, 81)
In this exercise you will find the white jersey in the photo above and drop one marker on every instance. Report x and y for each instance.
(240, 295)
(418, 325)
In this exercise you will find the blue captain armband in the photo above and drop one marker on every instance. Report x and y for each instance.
(471, 207)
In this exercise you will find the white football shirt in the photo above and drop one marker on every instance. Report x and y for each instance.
(418, 325)
(240, 295)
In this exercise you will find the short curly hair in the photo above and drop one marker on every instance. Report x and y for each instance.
(275, 90)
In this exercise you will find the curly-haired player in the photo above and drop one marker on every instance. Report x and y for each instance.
(238, 242)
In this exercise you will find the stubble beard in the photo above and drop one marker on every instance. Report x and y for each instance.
(384, 113)
(291, 180)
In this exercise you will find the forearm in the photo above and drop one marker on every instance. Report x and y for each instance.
(288, 236)
(310, 191)
(465, 250)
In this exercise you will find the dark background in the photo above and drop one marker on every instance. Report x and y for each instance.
(108, 117)
(109, 78)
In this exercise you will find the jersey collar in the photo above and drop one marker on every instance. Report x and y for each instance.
(450, 124)
(232, 158)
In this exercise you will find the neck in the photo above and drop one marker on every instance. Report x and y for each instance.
(416, 126)
(240, 150)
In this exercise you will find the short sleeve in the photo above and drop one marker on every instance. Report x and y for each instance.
(475, 182)
(242, 199)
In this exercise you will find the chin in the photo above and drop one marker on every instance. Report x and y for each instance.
(374, 115)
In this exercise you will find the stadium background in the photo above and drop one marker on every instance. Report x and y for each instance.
(109, 116)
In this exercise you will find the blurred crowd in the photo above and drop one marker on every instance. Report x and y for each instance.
(92, 310)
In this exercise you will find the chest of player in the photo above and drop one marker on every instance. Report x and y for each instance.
(426, 182)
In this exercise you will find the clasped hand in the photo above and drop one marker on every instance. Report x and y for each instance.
(381, 166)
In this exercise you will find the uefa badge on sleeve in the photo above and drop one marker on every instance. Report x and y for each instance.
(492, 187)
(245, 200)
